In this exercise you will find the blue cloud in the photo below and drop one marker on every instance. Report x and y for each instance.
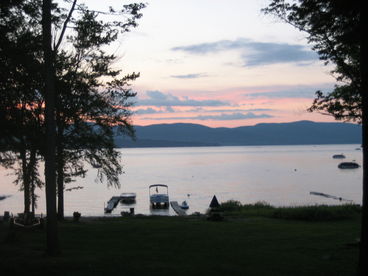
(233, 110)
(189, 76)
(233, 116)
(283, 94)
(157, 98)
(220, 117)
(151, 110)
(292, 92)
(256, 53)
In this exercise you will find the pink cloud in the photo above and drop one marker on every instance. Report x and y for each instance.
(231, 107)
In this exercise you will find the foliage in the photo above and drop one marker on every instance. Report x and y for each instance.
(312, 213)
(21, 104)
(231, 206)
(332, 28)
(317, 213)
(336, 28)
(93, 97)
(88, 106)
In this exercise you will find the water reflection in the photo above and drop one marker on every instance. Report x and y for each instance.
(279, 175)
(159, 212)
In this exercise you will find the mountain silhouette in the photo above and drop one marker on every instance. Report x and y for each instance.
(294, 133)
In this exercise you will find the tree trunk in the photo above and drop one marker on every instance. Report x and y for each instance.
(32, 177)
(50, 175)
(33, 197)
(363, 254)
(60, 191)
(26, 182)
(60, 173)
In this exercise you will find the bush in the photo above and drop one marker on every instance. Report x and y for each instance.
(258, 205)
(317, 212)
(235, 208)
(76, 216)
(310, 213)
(230, 206)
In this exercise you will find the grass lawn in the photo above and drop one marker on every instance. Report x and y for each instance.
(186, 246)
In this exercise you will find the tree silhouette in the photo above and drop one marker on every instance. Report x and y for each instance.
(92, 97)
(61, 90)
(335, 28)
(21, 97)
(50, 166)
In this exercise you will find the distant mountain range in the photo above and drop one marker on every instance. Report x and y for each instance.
(191, 135)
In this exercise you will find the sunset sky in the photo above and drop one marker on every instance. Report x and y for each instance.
(218, 63)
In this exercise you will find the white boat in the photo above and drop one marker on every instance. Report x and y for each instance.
(184, 205)
(159, 196)
(128, 198)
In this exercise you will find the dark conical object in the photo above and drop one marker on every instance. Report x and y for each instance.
(214, 202)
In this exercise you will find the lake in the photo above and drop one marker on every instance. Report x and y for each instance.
(279, 175)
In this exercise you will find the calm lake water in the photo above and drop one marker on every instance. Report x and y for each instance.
(279, 175)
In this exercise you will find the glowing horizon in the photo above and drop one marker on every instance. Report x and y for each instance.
(219, 63)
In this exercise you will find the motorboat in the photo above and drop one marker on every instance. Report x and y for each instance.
(128, 198)
(159, 196)
(184, 205)
(348, 165)
(338, 156)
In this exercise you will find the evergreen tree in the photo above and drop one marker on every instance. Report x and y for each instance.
(335, 28)
(21, 111)
(86, 100)
(93, 98)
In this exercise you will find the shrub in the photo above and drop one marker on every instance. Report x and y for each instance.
(230, 206)
(76, 216)
(317, 212)
(310, 213)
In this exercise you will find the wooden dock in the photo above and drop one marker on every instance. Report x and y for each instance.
(177, 209)
(112, 203)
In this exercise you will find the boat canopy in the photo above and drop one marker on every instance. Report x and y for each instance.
(158, 185)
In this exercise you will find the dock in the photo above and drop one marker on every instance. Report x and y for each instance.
(177, 209)
(112, 203)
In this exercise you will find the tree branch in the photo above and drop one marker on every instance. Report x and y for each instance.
(65, 26)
